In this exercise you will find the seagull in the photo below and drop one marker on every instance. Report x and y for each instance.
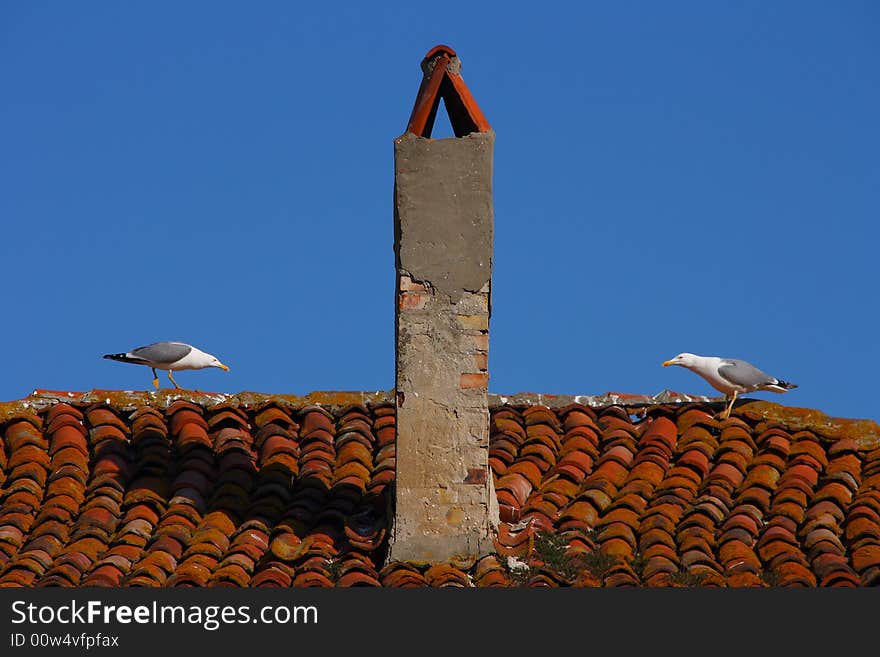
(169, 356)
(730, 376)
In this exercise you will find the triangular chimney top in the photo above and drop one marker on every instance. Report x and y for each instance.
(442, 79)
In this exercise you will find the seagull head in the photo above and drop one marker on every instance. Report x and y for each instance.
(198, 359)
(210, 360)
(684, 359)
(215, 362)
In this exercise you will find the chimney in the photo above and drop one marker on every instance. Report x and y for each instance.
(445, 503)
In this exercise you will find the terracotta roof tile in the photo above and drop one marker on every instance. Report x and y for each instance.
(265, 493)
(273, 575)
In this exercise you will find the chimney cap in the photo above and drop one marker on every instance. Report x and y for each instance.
(438, 50)
(441, 69)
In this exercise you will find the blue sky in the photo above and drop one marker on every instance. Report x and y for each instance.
(683, 176)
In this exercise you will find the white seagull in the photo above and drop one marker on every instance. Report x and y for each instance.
(730, 376)
(170, 356)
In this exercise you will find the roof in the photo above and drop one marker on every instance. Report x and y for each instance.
(187, 489)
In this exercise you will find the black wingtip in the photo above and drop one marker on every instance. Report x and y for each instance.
(787, 385)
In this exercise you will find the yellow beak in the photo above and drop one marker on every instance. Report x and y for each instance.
(223, 367)
(667, 363)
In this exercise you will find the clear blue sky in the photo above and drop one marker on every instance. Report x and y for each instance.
(683, 176)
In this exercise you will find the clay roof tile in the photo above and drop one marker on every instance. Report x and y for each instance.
(190, 495)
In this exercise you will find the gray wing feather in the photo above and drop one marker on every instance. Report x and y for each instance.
(744, 374)
(162, 352)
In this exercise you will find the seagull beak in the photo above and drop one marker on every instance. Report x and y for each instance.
(667, 363)
(223, 367)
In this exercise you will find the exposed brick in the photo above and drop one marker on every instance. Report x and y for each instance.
(481, 342)
(413, 300)
(474, 380)
(474, 322)
(481, 361)
(409, 285)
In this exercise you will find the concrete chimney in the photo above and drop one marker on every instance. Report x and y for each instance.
(445, 505)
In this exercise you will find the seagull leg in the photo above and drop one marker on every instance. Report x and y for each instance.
(173, 381)
(730, 408)
(155, 379)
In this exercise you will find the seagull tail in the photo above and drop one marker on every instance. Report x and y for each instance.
(124, 358)
(782, 386)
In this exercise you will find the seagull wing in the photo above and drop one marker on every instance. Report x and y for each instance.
(162, 352)
(746, 375)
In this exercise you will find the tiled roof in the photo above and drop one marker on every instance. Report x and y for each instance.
(120, 489)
